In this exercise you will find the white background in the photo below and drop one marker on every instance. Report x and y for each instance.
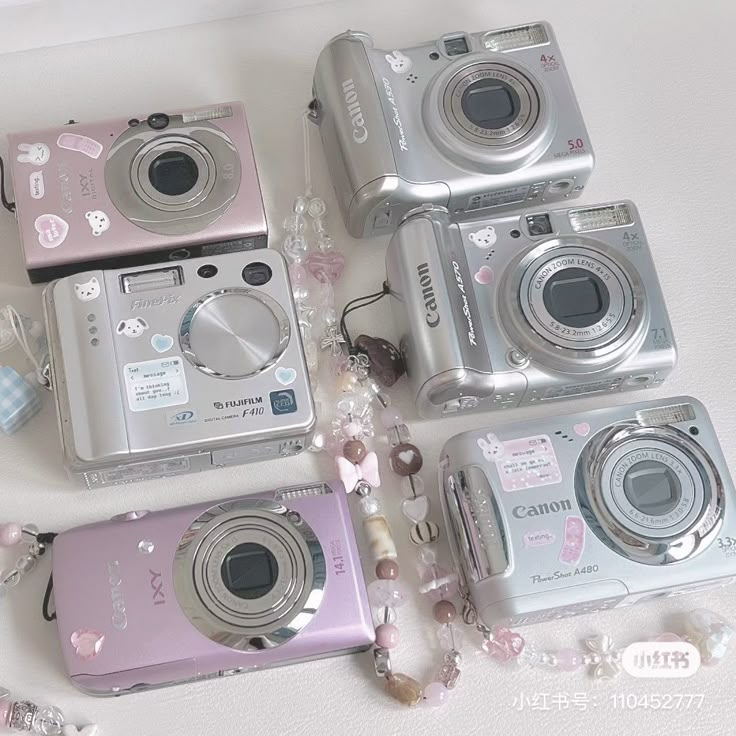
(656, 84)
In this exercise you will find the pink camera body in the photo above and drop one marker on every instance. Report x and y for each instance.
(131, 616)
(135, 191)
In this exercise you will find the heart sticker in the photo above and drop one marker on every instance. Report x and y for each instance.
(484, 275)
(416, 509)
(285, 376)
(582, 429)
(87, 643)
(52, 230)
(162, 343)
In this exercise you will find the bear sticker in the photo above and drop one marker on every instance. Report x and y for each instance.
(134, 327)
(400, 63)
(87, 291)
(98, 221)
(484, 238)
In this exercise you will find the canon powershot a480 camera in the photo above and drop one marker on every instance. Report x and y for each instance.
(525, 309)
(571, 514)
(174, 368)
(475, 122)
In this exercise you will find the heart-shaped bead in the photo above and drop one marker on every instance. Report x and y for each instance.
(326, 267)
(416, 509)
(87, 643)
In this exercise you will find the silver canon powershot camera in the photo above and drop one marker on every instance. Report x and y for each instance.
(472, 122)
(175, 368)
(527, 308)
(573, 514)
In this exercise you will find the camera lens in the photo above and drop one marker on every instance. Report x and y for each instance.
(158, 121)
(490, 103)
(652, 488)
(207, 271)
(576, 297)
(249, 571)
(173, 173)
(257, 274)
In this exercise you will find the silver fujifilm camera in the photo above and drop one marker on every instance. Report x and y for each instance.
(530, 308)
(168, 369)
(585, 512)
(473, 122)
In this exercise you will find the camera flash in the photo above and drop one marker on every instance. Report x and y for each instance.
(511, 39)
(209, 113)
(665, 415)
(599, 218)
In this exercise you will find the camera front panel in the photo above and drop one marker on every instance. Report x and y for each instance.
(136, 191)
(588, 511)
(174, 365)
(124, 628)
(480, 123)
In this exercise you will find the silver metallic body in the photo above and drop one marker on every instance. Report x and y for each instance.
(493, 345)
(218, 344)
(509, 542)
(396, 139)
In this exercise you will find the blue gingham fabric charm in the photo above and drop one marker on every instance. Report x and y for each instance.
(19, 400)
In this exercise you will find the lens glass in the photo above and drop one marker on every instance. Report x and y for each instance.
(249, 571)
(576, 297)
(173, 173)
(491, 103)
(652, 488)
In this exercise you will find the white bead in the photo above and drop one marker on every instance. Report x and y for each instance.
(26, 563)
(300, 205)
(378, 536)
(317, 207)
(369, 506)
(412, 485)
(428, 553)
(384, 615)
(450, 637)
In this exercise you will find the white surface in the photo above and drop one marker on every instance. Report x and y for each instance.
(656, 84)
(30, 24)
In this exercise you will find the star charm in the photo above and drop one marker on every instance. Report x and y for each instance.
(332, 341)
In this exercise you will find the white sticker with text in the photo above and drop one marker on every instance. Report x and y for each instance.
(154, 384)
(529, 462)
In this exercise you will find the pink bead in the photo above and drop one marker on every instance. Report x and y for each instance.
(387, 636)
(668, 636)
(6, 705)
(505, 645)
(10, 535)
(568, 660)
(436, 694)
(297, 274)
(387, 569)
(391, 417)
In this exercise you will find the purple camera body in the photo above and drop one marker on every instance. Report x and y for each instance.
(142, 600)
(134, 191)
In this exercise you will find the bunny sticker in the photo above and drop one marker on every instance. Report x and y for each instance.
(400, 63)
(491, 447)
(33, 153)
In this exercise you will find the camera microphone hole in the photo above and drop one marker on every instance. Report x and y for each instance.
(694, 431)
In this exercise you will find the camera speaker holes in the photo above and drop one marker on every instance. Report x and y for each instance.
(489, 254)
(412, 78)
(563, 436)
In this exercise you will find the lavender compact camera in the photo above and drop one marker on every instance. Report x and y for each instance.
(147, 600)
(135, 191)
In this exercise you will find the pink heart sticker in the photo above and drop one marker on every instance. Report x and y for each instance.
(52, 230)
(582, 429)
(87, 643)
(326, 267)
(484, 275)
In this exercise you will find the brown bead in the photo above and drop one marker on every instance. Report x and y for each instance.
(354, 450)
(444, 612)
(387, 569)
(403, 688)
(406, 459)
(387, 365)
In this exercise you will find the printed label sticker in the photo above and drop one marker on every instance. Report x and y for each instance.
(35, 181)
(155, 384)
(539, 538)
(529, 462)
(283, 402)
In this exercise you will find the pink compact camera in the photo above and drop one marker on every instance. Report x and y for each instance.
(153, 599)
(136, 191)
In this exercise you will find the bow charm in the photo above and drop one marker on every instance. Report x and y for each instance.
(352, 473)
(606, 658)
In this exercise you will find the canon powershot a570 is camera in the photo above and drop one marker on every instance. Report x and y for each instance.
(584, 512)
(153, 599)
(527, 309)
(476, 122)
(174, 368)
(136, 190)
